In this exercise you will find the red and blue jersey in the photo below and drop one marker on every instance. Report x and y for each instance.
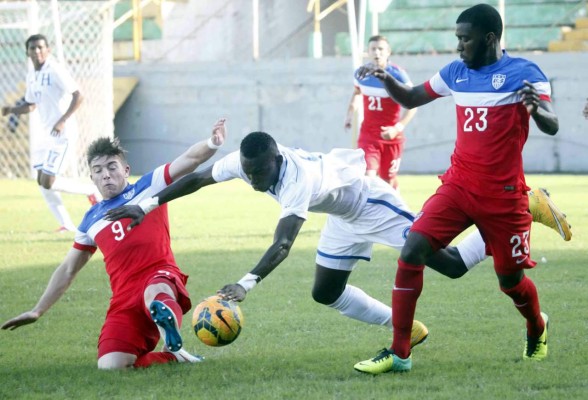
(128, 255)
(378, 107)
(492, 123)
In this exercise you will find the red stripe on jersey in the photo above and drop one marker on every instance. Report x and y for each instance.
(84, 247)
(545, 97)
(430, 90)
(166, 175)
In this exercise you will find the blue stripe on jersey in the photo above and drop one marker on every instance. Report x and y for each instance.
(320, 253)
(392, 207)
(393, 70)
(97, 211)
(507, 73)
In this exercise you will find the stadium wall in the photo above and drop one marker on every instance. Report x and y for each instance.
(302, 103)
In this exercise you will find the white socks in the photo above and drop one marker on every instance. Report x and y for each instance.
(472, 249)
(355, 303)
(53, 200)
(62, 184)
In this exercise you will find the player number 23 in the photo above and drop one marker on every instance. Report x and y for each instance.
(520, 244)
(475, 118)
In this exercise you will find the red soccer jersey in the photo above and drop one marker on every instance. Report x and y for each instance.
(492, 123)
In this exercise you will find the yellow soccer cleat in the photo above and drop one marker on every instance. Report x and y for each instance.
(418, 334)
(385, 361)
(545, 211)
(536, 349)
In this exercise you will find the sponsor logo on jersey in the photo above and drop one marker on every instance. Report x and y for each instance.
(498, 80)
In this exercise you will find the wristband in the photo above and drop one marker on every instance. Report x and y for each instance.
(399, 127)
(211, 144)
(149, 204)
(249, 281)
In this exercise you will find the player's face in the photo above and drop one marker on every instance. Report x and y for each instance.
(38, 52)
(262, 171)
(471, 45)
(379, 51)
(109, 174)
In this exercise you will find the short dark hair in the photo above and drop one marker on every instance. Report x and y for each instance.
(378, 38)
(483, 17)
(105, 147)
(256, 144)
(34, 38)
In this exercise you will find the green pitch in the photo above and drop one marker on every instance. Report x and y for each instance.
(291, 347)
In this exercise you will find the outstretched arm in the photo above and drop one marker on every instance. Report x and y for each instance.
(58, 284)
(405, 95)
(24, 108)
(188, 184)
(284, 236)
(199, 152)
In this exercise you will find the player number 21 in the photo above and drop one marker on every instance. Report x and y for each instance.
(375, 103)
(476, 118)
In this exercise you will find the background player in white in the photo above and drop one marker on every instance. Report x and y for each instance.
(149, 295)
(382, 131)
(53, 92)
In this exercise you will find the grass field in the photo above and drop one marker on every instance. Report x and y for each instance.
(291, 347)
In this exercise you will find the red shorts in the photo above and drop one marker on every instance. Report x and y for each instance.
(128, 327)
(382, 157)
(505, 224)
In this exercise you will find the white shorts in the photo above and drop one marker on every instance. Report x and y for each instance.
(385, 219)
(51, 155)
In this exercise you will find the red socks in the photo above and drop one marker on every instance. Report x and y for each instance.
(149, 359)
(407, 289)
(525, 298)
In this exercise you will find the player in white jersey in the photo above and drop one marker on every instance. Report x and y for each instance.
(149, 295)
(53, 92)
(362, 210)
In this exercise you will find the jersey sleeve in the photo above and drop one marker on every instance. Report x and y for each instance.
(228, 167)
(539, 81)
(84, 242)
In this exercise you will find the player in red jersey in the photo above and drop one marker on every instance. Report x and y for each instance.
(149, 295)
(382, 131)
(495, 97)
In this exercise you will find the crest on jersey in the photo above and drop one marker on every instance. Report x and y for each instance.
(498, 80)
(129, 195)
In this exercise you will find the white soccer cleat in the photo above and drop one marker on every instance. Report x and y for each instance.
(184, 357)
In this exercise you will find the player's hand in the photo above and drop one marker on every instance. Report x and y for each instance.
(233, 291)
(348, 121)
(529, 97)
(23, 319)
(371, 69)
(389, 132)
(58, 128)
(6, 111)
(219, 132)
(134, 212)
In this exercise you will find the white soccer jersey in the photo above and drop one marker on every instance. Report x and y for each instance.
(329, 183)
(362, 210)
(50, 90)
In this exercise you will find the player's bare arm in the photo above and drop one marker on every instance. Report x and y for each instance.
(61, 279)
(199, 152)
(188, 184)
(353, 104)
(541, 110)
(284, 237)
(76, 101)
(22, 109)
(406, 95)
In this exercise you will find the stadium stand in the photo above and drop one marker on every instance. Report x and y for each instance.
(426, 26)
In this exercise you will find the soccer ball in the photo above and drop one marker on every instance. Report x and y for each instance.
(216, 321)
